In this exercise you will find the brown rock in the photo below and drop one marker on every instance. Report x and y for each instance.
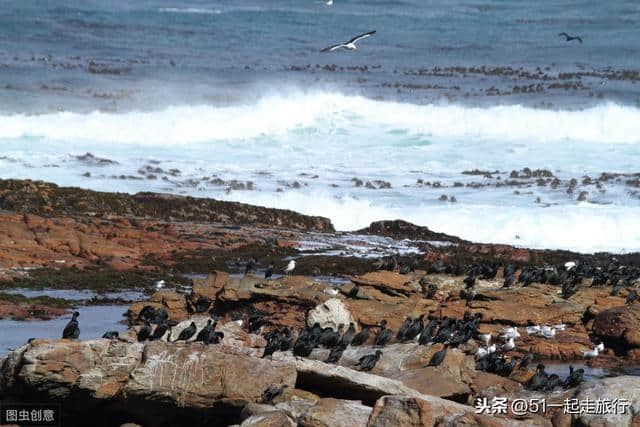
(186, 375)
(410, 411)
(26, 311)
(388, 282)
(210, 286)
(619, 326)
(269, 419)
(327, 412)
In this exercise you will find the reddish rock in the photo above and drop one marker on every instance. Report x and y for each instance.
(210, 286)
(26, 311)
(619, 326)
(391, 411)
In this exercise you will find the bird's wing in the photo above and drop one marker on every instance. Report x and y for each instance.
(563, 34)
(362, 36)
(69, 328)
(332, 48)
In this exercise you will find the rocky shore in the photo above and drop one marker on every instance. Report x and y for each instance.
(187, 253)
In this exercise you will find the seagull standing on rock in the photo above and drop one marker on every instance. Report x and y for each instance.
(485, 338)
(350, 45)
(290, 267)
(509, 345)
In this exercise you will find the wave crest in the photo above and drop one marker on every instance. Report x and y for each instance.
(275, 115)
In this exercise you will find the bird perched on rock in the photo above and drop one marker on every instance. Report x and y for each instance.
(144, 332)
(384, 335)
(214, 337)
(470, 281)
(72, 330)
(509, 281)
(271, 393)
(402, 331)
(330, 338)
(361, 337)
(510, 270)
(307, 339)
(315, 333)
(552, 382)
(568, 290)
(632, 297)
(336, 353)
(427, 333)
(290, 267)
(575, 378)
(250, 265)
(366, 363)
(349, 335)
(187, 332)
(539, 380)
(161, 316)
(286, 339)
(414, 329)
(431, 292)
(160, 330)
(147, 313)
(110, 335)
(257, 320)
(511, 332)
(202, 304)
(269, 271)
(353, 293)
(274, 343)
(204, 332)
(468, 296)
(533, 329)
(509, 345)
(548, 331)
(438, 357)
(485, 338)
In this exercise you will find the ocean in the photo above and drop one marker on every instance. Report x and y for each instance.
(473, 118)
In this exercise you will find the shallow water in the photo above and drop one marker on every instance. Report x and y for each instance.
(590, 373)
(94, 322)
(75, 294)
(355, 245)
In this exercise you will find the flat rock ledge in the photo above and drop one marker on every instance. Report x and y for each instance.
(164, 383)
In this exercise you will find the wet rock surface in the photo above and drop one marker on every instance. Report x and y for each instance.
(388, 272)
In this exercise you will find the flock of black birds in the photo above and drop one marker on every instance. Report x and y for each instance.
(568, 277)
(448, 331)
(542, 381)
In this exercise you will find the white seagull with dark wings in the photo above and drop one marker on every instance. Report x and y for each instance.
(350, 45)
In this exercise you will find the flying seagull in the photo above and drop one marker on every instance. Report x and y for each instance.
(350, 45)
(569, 38)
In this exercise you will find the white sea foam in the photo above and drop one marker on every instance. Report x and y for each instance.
(275, 115)
(338, 137)
(584, 228)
